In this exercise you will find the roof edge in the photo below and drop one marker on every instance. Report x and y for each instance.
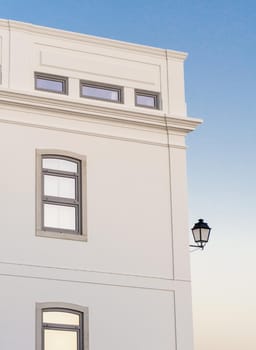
(64, 34)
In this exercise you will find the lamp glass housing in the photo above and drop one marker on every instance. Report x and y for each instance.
(201, 232)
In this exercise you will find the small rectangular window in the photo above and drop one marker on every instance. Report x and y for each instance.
(51, 83)
(101, 91)
(147, 99)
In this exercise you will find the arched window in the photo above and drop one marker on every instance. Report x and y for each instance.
(62, 328)
(61, 198)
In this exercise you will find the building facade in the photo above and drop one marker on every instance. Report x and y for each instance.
(94, 222)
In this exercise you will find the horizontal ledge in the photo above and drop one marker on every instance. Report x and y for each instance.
(156, 120)
(62, 235)
(73, 275)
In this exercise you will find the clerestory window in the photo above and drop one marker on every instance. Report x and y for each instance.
(147, 99)
(100, 91)
(51, 83)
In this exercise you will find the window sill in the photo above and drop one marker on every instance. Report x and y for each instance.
(62, 235)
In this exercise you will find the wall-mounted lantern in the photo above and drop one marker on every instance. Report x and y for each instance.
(201, 233)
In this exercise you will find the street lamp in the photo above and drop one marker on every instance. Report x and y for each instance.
(201, 233)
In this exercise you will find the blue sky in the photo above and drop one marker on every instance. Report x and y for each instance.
(220, 78)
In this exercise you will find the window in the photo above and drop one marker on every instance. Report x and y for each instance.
(60, 191)
(147, 99)
(51, 83)
(101, 91)
(62, 327)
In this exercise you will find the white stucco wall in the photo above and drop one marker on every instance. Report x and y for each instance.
(90, 58)
(133, 272)
(126, 182)
(119, 317)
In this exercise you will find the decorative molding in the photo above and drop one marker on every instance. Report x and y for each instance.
(4, 23)
(90, 39)
(1, 50)
(177, 55)
(83, 61)
(119, 115)
(90, 276)
(78, 132)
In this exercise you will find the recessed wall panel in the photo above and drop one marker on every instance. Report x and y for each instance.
(98, 67)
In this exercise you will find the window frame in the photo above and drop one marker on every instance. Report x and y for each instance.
(52, 77)
(119, 89)
(82, 329)
(80, 193)
(155, 95)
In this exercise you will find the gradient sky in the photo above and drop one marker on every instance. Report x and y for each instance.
(220, 74)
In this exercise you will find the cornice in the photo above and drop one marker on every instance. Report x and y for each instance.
(90, 39)
(70, 108)
(4, 23)
(177, 55)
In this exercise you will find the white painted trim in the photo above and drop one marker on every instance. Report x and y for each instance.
(81, 276)
(79, 132)
(153, 119)
(90, 39)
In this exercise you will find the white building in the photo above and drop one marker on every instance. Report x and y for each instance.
(93, 199)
